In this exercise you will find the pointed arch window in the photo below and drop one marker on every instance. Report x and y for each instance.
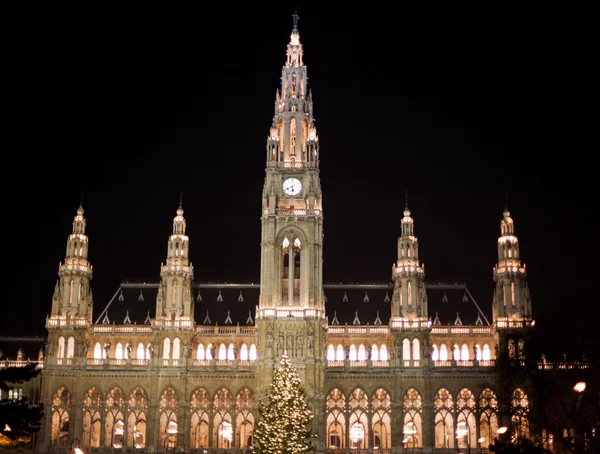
(92, 418)
(244, 426)
(383, 353)
(222, 352)
(443, 353)
(412, 428)
(520, 413)
(381, 422)
(98, 351)
(209, 349)
(140, 352)
(176, 348)
(466, 430)
(199, 422)
(336, 421)
(374, 353)
(330, 353)
(231, 352)
(464, 353)
(488, 419)
(409, 290)
(168, 428)
(136, 420)
(486, 354)
(222, 423)
(352, 354)
(60, 352)
(166, 348)
(416, 352)
(362, 353)
(252, 355)
(339, 354)
(406, 352)
(443, 405)
(119, 351)
(71, 347)
(435, 354)
(244, 352)
(114, 420)
(455, 353)
(200, 352)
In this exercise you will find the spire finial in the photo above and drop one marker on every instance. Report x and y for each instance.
(295, 17)
(81, 199)
(406, 196)
(506, 212)
(181, 200)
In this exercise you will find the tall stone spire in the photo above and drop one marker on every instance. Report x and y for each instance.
(174, 300)
(409, 301)
(293, 136)
(511, 298)
(72, 295)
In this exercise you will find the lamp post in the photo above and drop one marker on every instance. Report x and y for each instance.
(579, 388)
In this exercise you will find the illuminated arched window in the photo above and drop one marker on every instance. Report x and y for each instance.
(60, 417)
(200, 352)
(114, 420)
(252, 355)
(383, 353)
(362, 353)
(416, 351)
(176, 348)
(97, 351)
(222, 352)
(486, 354)
(168, 428)
(478, 350)
(444, 419)
(358, 423)
(443, 353)
(119, 351)
(244, 352)
(374, 353)
(140, 352)
(406, 351)
(330, 353)
(136, 420)
(166, 348)
(92, 418)
(352, 354)
(71, 347)
(339, 353)
(336, 421)
(208, 352)
(466, 430)
(455, 353)
(231, 352)
(435, 354)
(222, 425)
(60, 352)
(488, 419)
(381, 422)
(464, 353)
(199, 421)
(412, 429)
(520, 411)
(244, 426)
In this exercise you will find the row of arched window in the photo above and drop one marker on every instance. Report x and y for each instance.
(115, 420)
(357, 421)
(464, 420)
(411, 350)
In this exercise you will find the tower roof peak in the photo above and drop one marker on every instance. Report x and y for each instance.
(295, 18)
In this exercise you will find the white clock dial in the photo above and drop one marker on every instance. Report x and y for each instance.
(292, 186)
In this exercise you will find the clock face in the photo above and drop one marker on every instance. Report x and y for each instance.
(292, 186)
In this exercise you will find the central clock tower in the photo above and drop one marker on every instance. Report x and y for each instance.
(290, 316)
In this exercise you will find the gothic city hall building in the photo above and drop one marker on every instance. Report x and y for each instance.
(186, 371)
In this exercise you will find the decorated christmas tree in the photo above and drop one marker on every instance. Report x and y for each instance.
(283, 425)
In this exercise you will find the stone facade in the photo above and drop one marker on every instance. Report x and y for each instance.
(172, 383)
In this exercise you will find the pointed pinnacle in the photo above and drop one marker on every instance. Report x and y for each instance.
(295, 17)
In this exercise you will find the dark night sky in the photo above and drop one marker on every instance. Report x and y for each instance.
(457, 107)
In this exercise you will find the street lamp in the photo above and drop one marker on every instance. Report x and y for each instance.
(580, 386)
(74, 447)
